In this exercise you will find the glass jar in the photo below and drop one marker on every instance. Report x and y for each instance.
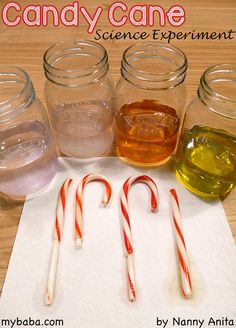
(150, 100)
(206, 156)
(79, 95)
(28, 159)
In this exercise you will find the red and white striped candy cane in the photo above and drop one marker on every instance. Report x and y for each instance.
(128, 241)
(181, 247)
(79, 203)
(59, 223)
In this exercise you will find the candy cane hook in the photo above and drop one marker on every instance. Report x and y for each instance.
(79, 206)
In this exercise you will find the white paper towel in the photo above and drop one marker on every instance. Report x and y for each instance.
(91, 289)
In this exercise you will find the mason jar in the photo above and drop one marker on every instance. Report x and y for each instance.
(28, 159)
(150, 100)
(79, 95)
(206, 156)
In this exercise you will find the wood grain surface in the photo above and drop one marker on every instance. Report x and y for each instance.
(24, 46)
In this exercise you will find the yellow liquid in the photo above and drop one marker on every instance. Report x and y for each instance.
(206, 161)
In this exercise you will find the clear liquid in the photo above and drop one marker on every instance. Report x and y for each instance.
(84, 129)
(27, 159)
(206, 161)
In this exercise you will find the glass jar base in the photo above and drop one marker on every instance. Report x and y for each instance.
(30, 180)
(84, 148)
(43, 189)
(89, 158)
(141, 164)
(200, 193)
(22, 197)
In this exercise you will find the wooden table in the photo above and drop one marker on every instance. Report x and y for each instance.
(23, 46)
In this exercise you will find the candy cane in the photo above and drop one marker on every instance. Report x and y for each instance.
(128, 241)
(59, 223)
(181, 247)
(79, 206)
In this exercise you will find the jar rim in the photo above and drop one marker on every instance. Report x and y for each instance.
(71, 44)
(158, 44)
(221, 68)
(224, 105)
(159, 52)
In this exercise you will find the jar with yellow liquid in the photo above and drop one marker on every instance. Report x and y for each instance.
(150, 100)
(206, 155)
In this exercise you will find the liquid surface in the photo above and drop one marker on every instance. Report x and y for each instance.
(146, 132)
(27, 159)
(84, 129)
(206, 161)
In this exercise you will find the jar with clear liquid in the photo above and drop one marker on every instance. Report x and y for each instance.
(150, 100)
(79, 95)
(206, 156)
(28, 160)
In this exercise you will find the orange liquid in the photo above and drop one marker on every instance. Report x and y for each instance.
(146, 132)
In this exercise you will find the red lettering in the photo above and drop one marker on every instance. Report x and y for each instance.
(111, 14)
(176, 16)
(5, 14)
(36, 11)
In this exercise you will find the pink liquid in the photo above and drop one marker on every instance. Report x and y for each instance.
(84, 129)
(27, 159)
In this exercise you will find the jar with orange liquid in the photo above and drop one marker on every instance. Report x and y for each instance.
(150, 100)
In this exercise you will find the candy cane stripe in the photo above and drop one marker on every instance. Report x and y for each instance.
(63, 198)
(78, 231)
(128, 245)
(132, 289)
(182, 262)
(180, 235)
(57, 227)
(174, 194)
(78, 202)
(125, 213)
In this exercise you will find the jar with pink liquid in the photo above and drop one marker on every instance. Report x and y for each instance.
(79, 95)
(28, 160)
